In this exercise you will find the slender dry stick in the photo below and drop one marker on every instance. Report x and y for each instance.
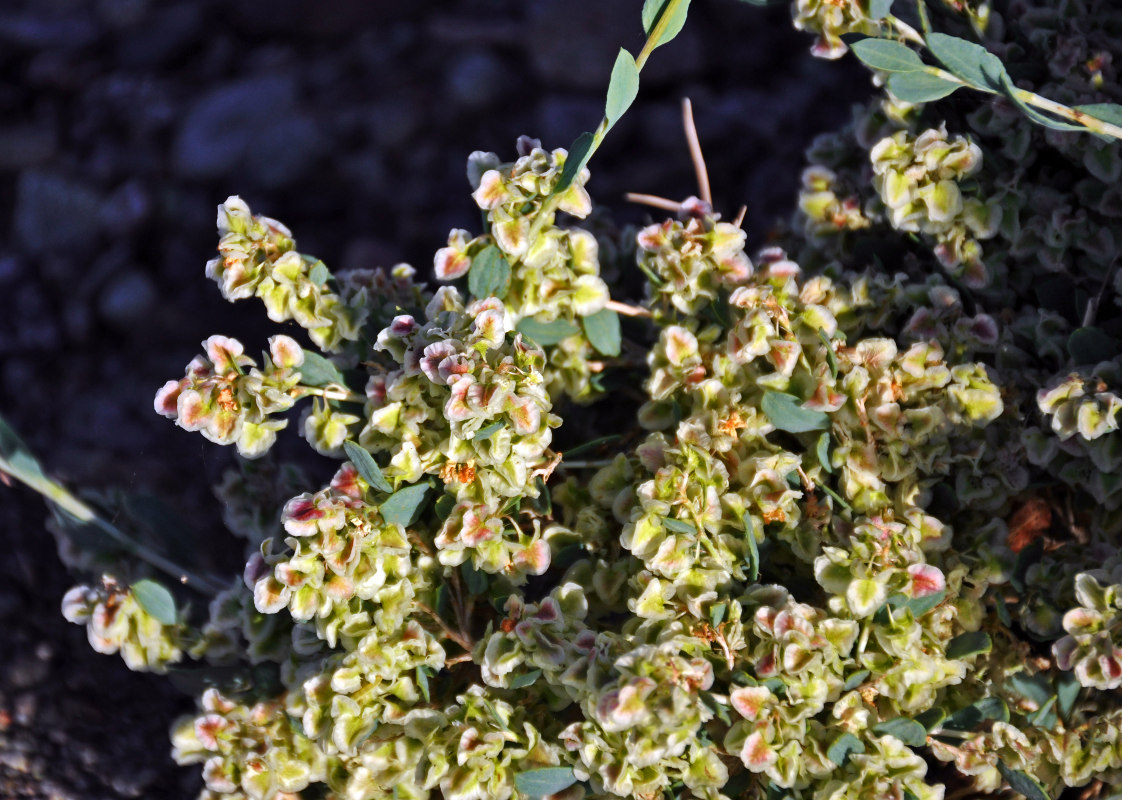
(327, 393)
(652, 200)
(448, 630)
(695, 152)
(628, 310)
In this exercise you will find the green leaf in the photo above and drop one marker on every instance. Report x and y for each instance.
(525, 679)
(652, 13)
(920, 87)
(318, 371)
(753, 547)
(475, 582)
(544, 781)
(579, 153)
(1091, 345)
(921, 605)
(906, 730)
(602, 330)
(842, 747)
(423, 682)
(1045, 716)
(488, 431)
(822, 449)
(1067, 692)
(404, 506)
(968, 61)
(544, 334)
(366, 465)
(887, 55)
(678, 526)
(1002, 611)
(786, 413)
(1022, 782)
(155, 599)
(879, 9)
(855, 680)
(831, 356)
(18, 455)
(717, 613)
(1035, 688)
(444, 505)
(932, 718)
(969, 644)
(490, 273)
(592, 446)
(623, 88)
(968, 718)
(319, 274)
(1040, 118)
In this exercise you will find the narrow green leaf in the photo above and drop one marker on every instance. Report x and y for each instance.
(822, 449)
(404, 506)
(366, 465)
(920, 87)
(1067, 692)
(1091, 345)
(623, 88)
(921, 605)
(488, 431)
(525, 679)
(602, 330)
(717, 613)
(652, 13)
(318, 371)
(579, 153)
(544, 781)
(423, 682)
(544, 334)
(831, 356)
(444, 505)
(906, 730)
(753, 547)
(887, 55)
(969, 61)
(969, 644)
(1045, 716)
(155, 599)
(1002, 611)
(678, 526)
(490, 273)
(968, 718)
(842, 747)
(1035, 688)
(592, 446)
(1039, 117)
(786, 413)
(855, 680)
(1022, 782)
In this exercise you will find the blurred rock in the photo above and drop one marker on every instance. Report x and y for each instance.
(568, 49)
(477, 79)
(283, 151)
(23, 146)
(55, 213)
(165, 34)
(125, 208)
(126, 299)
(42, 31)
(223, 124)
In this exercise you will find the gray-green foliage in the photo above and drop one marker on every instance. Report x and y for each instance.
(861, 519)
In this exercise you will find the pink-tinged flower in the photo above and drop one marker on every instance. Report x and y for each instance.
(285, 351)
(301, 514)
(208, 728)
(345, 481)
(223, 352)
(534, 558)
(192, 410)
(167, 398)
(680, 344)
(402, 325)
(749, 700)
(452, 262)
(479, 528)
(491, 192)
(432, 356)
(525, 416)
(456, 408)
(766, 667)
(757, 754)
(653, 237)
(376, 389)
(926, 580)
(625, 707)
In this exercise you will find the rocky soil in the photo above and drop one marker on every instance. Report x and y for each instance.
(124, 122)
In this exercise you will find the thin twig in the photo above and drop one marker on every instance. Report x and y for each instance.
(593, 464)
(740, 216)
(652, 200)
(451, 633)
(627, 310)
(454, 660)
(328, 393)
(695, 152)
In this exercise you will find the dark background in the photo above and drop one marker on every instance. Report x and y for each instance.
(123, 123)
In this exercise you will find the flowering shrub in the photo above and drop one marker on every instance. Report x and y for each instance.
(847, 525)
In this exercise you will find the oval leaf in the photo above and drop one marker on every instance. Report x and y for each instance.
(887, 56)
(920, 87)
(602, 330)
(579, 153)
(786, 413)
(879, 9)
(404, 506)
(544, 781)
(490, 273)
(973, 63)
(678, 526)
(841, 748)
(318, 371)
(623, 88)
(906, 730)
(367, 467)
(488, 431)
(544, 334)
(525, 679)
(1022, 782)
(969, 644)
(155, 599)
(653, 11)
(1091, 345)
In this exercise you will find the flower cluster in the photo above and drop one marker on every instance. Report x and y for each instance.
(832, 19)
(1093, 644)
(228, 399)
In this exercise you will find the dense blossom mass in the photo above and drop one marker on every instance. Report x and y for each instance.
(847, 526)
